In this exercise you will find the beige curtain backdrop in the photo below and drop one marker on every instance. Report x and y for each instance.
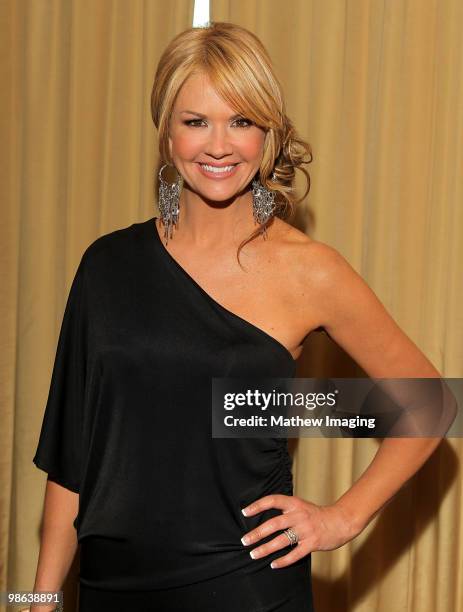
(376, 87)
(78, 160)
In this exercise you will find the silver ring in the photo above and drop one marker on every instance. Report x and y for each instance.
(292, 536)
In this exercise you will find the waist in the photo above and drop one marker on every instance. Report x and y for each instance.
(137, 563)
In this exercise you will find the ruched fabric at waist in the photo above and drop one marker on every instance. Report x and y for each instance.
(112, 563)
(287, 589)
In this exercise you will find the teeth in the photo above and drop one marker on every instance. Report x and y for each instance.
(217, 170)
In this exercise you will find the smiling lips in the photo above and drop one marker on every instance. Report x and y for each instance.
(217, 172)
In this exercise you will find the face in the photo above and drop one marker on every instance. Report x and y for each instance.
(205, 130)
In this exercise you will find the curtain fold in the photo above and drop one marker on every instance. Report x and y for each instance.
(376, 88)
(78, 161)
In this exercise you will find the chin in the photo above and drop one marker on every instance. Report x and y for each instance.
(218, 197)
(225, 196)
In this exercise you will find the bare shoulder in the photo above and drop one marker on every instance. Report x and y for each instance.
(312, 261)
(320, 283)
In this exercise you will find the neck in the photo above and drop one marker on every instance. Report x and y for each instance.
(206, 223)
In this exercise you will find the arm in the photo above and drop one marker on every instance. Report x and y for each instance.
(58, 540)
(354, 317)
(358, 322)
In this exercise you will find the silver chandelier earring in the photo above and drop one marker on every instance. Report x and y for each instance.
(168, 202)
(263, 202)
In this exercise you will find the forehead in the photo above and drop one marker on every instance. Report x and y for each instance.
(198, 94)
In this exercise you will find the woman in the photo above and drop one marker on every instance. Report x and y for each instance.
(220, 284)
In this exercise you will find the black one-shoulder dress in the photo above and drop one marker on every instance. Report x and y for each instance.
(127, 426)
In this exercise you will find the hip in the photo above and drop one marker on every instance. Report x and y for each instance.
(286, 589)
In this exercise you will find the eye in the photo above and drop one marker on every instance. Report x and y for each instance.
(194, 122)
(248, 121)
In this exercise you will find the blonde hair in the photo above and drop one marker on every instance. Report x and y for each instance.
(241, 72)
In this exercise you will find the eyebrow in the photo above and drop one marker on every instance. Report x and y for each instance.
(205, 116)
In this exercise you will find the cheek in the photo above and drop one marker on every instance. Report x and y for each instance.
(184, 146)
(187, 145)
(252, 147)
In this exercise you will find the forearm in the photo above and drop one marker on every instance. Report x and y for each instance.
(58, 538)
(394, 464)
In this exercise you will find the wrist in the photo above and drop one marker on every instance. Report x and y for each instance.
(51, 606)
(356, 521)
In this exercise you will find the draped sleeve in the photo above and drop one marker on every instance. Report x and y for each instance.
(59, 450)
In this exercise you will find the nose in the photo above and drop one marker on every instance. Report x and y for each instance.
(218, 144)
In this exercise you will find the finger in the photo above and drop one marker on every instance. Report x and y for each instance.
(276, 500)
(278, 543)
(276, 523)
(299, 551)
